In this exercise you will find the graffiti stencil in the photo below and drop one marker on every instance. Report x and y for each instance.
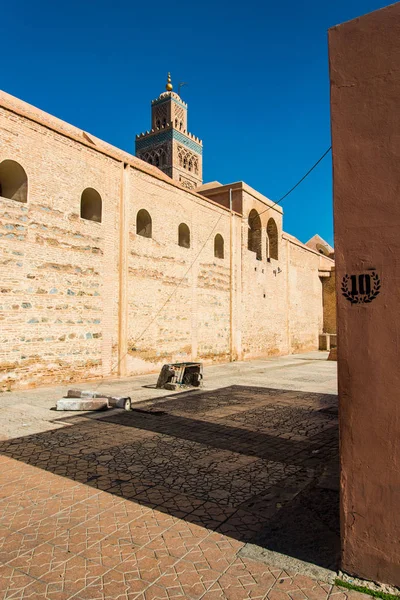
(361, 289)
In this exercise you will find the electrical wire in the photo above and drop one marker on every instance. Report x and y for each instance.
(295, 186)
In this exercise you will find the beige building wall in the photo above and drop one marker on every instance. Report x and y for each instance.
(178, 298)
(58, 273)
(329, 302)
(84, 300)
(264, 302)
(304, 293)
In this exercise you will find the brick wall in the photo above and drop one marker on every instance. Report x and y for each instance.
(58, 273)
(84, 300)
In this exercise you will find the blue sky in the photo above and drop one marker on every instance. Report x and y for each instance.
(257, 71)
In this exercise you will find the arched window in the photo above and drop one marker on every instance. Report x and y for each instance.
(91, 205)
(158, 124)
(143, 224)
(176, 122)
(254, 234)
(164, 123)
(272, 235)
(13, 181)
(190, 167)
(157, 161)
(180, 125)
(184, 235)
(219, 246)
(185, 162)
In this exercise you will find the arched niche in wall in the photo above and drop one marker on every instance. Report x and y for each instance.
(272, 235)
(184, 235)
(91, 205)
(143, 223)
(254, 233)
(13, 181)
(219, 246)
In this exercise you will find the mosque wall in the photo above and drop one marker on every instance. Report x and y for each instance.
(84, 299)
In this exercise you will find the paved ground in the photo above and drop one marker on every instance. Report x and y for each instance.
(25, 412)
(184, 497)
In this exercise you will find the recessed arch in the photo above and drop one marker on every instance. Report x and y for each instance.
(143, 223)
(13, 181)
(219, 246)
(184, 235)
(272, 239)
(91, 205)
(254, 234)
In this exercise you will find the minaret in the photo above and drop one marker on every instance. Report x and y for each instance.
(168, 145)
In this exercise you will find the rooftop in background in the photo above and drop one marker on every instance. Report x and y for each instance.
(320, 245)
(221, 195)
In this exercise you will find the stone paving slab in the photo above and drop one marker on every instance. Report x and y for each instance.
(162, 503)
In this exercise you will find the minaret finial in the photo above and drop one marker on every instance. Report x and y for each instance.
(169, 86)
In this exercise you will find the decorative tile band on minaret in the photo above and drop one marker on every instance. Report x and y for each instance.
(168, 145)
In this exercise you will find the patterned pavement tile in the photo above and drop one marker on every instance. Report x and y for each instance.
(154, 496)
(180, 538)
(156, 592)
(14, 544)
(16, 585)
(39, 560)
(338, 593)
(243, 526)
(188, 579)
(72, 576)
(180, 505)
(210, 515)
(243, 580)
(63, 574)
(148, 564)
(138, 507)
(110, 551)
(208, 555)
(82, 536)
(127, 489)
(150, 526)
(113, 585)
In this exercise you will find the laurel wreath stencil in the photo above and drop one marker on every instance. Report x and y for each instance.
(362, 298)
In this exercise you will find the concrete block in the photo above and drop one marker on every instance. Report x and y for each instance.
(113, 401)
(73, 394)
(82, 404)
(89, 394)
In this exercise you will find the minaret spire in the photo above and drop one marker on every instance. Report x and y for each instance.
(169, 86)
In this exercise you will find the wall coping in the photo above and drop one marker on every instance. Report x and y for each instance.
(30, 112)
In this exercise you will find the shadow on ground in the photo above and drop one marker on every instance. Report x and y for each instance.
(257, 464)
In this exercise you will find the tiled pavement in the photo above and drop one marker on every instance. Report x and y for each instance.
(160, 502)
